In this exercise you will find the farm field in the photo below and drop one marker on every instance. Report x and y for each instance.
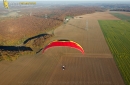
(122, 16)
(88, 72)
(95, 67)
(125, 13)
(117, 33)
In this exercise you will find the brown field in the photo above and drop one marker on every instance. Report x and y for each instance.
(95, 67)
(85, 71)
(125, 13)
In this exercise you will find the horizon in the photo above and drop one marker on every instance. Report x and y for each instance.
(75, 1)
(78, 0)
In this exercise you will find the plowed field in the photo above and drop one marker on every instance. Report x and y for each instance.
(95, 67)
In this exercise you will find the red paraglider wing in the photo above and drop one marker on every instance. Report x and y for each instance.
(66, 44)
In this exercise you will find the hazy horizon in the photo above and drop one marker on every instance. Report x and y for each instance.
(78, 1)
(67, 0)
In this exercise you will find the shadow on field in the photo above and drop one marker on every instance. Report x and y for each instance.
(38, 36)
(39, 50)
(15, 48)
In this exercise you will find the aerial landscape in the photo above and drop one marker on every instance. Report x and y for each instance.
(64, 42)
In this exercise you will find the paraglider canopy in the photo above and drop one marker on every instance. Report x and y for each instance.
(65, 43)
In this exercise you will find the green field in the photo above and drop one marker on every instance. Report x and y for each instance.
(121, 16)
(117, 35)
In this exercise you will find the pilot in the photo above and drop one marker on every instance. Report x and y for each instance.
(63, 67)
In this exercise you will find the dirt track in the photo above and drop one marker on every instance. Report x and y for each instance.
(96, 67)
